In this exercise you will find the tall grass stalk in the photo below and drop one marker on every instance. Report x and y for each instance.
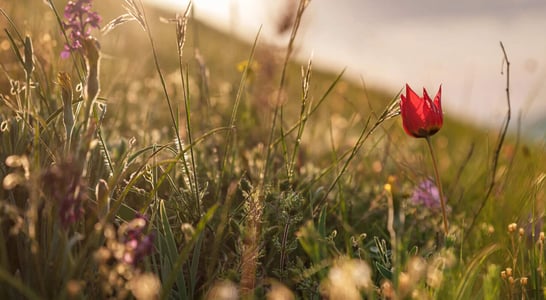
(390, 111)
(181, 25)
(305, 109)
(278, 101)
(229, 144)
(312, 109)
(139, 14)
(500, 143)
(250, 251)
(250, 246)
(465, 287)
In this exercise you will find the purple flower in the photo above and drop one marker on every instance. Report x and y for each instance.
(426, 194)
(137, 244)
(71, 208)
(79, 22)
(64, 184)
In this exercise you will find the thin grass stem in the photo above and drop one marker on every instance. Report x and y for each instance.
(234, 112)
(390, 111)
(278, 106)
(161, 77)
(438, 184)
(500, 143)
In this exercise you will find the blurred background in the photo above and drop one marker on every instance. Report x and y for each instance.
(424, 43)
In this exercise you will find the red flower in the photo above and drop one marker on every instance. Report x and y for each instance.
(421, 116)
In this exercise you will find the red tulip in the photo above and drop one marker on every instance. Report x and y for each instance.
(421, 116)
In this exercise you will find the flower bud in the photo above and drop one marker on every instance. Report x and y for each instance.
(512, 227)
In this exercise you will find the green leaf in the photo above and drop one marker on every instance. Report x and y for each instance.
(167, 239)
(183, 255)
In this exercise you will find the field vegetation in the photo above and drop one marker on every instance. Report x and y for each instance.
(144, 155)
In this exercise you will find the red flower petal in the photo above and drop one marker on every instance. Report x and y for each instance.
(421, 117)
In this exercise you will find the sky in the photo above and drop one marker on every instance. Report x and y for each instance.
(422, 42)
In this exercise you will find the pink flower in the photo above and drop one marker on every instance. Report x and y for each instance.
(426, 194)
(80, 21)
(138, 244)
(63, 183)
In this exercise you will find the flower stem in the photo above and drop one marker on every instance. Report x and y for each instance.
(438, 183)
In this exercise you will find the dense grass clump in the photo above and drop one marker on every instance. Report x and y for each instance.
(165, 160)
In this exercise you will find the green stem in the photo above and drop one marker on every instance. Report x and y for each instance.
(17, 284)
(438, 183)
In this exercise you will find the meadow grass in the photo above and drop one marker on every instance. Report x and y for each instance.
(175, 162)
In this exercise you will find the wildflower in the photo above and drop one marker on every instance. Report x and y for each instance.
(74, 288)
(145, 286)
(188, 231)
(137, 244)
(435, 276)
(512, 227)
(387, 289)
(421, 116)
(118, 260)
(65, 185)
(80, 21)
(416, 267)
(223, 290)
(278, 291)
(347, 278)
(490, 229)
(426, 194)
(13, 179)
(404, 283)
